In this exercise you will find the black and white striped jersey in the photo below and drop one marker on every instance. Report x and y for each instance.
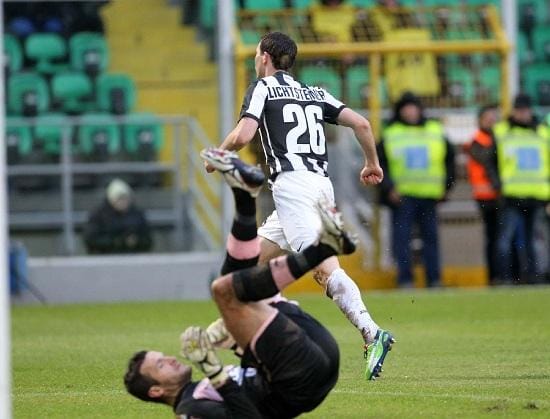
(291, 119)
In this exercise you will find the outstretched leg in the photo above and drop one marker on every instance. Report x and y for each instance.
(238, 295)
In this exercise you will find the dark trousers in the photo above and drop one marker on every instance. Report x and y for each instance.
(489, 215)
(511, 219)
(422, 212)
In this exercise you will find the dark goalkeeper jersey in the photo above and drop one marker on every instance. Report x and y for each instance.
(291, 116)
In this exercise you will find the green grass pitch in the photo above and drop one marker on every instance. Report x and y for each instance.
(460, 353)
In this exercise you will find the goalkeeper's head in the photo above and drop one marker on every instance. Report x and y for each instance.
(155, 377)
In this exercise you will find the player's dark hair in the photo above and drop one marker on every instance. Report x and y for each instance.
(136, 383)
(281, 48)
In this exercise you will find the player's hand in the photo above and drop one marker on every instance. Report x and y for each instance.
(371, 174)
(196, 347)
(209, 168)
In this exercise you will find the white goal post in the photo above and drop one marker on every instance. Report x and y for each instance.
(5, 371)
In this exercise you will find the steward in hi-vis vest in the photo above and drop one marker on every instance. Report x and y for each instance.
(419, 166)
(523, 148)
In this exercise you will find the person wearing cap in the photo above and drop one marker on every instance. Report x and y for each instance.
(523, 147)
(117, 225)
(419, 163)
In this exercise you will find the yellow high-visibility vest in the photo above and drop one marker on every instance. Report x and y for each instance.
(523, 161)
(416, 159)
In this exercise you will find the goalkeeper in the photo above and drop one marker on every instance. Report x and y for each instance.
(289, 360)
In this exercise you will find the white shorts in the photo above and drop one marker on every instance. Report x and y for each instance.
(295, 223)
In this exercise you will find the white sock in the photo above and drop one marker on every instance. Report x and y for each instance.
(345, 293)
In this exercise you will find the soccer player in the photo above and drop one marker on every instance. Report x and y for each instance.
(290, 117)
(294, 359)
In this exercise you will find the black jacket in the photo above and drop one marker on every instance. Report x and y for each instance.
(110, 231)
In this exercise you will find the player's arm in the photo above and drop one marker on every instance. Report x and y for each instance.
(371, 174)
(251, 112)
(241, 135)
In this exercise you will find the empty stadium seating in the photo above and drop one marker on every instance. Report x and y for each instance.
(89, 52)
(28, 94)
(46, 49)
(322, 76)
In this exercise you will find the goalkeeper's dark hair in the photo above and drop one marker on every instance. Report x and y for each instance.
(136, 383)
(281, 48)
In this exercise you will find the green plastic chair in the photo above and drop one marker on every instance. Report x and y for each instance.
(537, 82)
(363, 3)
(540, 9)
(98, 136)
(357, 86)
(19, 142)
(13, 54)
(303, 4)
(143, 136)
(72, 90)
(541, 40)
(250, 36)
(49, 132)
(489, 78)
(28, 94)
(461, 85)
(264, 4)
(357, 89)
(324, 77)
(524, 52)
(89, 52)
(116, 93)
(45, 48)
(207, 15)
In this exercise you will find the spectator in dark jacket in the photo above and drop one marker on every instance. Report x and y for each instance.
(118, 226)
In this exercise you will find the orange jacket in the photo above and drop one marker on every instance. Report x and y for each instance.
(482, 188)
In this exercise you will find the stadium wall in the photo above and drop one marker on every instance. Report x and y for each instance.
(121, 278)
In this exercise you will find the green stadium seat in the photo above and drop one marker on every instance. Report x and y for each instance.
(541, 41)
(324, 77)
(73, 91)
(28, 94)
(537, 82)
(460, 85)
(143, 136)
(539, 8)
(264, 4)
(45, 49)
(250, 36)
(525, 54)
(489, 78)
(303, 4)
(357, 88)
(89, 52)
(98, 137)
(116, 93)
(207, 13)
(363, 3)
(18, 140)
(48, 133)
(13, 54)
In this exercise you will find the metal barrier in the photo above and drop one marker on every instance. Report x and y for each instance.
(183, 138)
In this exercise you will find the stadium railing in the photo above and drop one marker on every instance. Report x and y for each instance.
(194, 212)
